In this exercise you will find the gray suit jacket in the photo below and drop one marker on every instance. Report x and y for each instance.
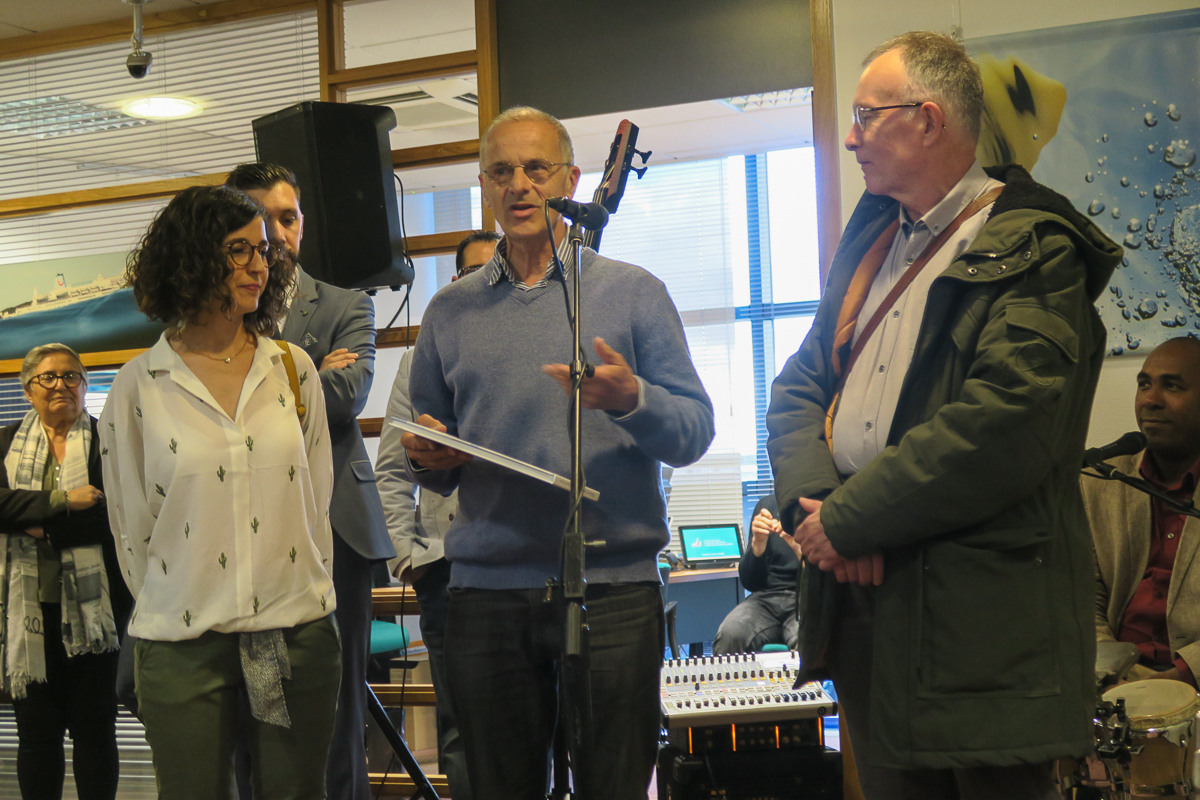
(417, 532)
(1120, 520)
(322, 319)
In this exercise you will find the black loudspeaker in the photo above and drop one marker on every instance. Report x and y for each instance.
(342, 158)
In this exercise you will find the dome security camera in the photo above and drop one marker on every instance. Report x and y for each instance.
(139, 60)
(138, 63)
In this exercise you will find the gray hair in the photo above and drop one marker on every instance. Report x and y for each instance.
(939, 69)
(37, 354)
(529, 114)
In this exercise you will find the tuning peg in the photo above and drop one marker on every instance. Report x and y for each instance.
(645, 156)
(640, 171)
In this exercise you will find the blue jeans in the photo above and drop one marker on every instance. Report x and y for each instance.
(502, 649)
(433, 595)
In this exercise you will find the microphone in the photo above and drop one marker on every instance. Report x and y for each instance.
(1127, 445)
(592, 216)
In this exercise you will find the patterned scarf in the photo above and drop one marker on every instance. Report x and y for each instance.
(87, 617)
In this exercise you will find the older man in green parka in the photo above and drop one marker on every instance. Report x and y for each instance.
(926, 441)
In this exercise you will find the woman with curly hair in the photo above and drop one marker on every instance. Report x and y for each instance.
(217, 462)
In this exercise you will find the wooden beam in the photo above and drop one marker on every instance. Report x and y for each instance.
(436, 155)
(392, 784)
(435, 244)
(120, 29)
(396, 337)
(331, 47)
(409, 71)
(106, 360)
(825, 134)
(103, 195)
(488, 78)
(384, 338)
(397, 695)
(488, 82)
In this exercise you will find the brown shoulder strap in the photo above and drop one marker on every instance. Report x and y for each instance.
(290, 364)
(977, 205)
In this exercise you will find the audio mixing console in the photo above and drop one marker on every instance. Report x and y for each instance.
(746, 687)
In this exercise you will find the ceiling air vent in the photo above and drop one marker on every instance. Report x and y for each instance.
(780, 99)
(432, 104)
(54, 116)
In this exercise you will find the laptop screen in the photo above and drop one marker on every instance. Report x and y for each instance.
(706, 544)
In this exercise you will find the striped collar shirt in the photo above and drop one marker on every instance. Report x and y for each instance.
(499, 268)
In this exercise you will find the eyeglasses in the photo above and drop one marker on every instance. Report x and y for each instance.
(47, 379)
(864, 114)
(241, 253)
(537, 171)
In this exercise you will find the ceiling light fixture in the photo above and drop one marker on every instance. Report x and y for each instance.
(162, 108)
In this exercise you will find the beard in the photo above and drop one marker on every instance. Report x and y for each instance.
(283, 275)
(285, 267)
(286, 260)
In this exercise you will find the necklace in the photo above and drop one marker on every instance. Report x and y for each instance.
(210, 356)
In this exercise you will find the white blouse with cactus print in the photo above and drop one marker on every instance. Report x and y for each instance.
(221, 524)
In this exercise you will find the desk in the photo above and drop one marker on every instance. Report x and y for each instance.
(399, 601)
(704, 596)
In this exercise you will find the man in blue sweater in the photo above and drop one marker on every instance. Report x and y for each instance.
(492, 381)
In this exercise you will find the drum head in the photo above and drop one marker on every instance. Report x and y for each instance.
(1156, 703)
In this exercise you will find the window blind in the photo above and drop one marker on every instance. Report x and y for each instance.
(62, 128)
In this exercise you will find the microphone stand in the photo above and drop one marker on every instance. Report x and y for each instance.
(1107, 472)
(575, 685)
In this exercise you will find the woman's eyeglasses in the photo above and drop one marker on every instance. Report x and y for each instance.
(47, 379)
(242, 253)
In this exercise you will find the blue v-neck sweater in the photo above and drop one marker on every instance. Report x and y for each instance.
(478, 369)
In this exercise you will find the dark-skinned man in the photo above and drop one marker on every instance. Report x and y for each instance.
(1146, 593)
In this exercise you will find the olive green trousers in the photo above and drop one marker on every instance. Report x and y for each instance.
(188, 698)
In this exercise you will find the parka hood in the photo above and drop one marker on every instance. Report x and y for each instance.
(1022, 193)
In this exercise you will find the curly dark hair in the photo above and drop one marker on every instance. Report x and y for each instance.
(179, 268)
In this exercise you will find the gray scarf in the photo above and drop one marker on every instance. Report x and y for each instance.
(87, 617)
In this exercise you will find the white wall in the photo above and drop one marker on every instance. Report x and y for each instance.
(859, 25)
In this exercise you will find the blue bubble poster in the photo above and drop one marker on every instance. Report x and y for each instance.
(1107, 114)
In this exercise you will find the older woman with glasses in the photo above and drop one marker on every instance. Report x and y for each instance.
(219, 474)
(63, 601)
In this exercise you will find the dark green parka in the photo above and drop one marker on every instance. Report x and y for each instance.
(983, 639)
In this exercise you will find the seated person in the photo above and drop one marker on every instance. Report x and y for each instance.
(768, 570)
(1145, 592)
